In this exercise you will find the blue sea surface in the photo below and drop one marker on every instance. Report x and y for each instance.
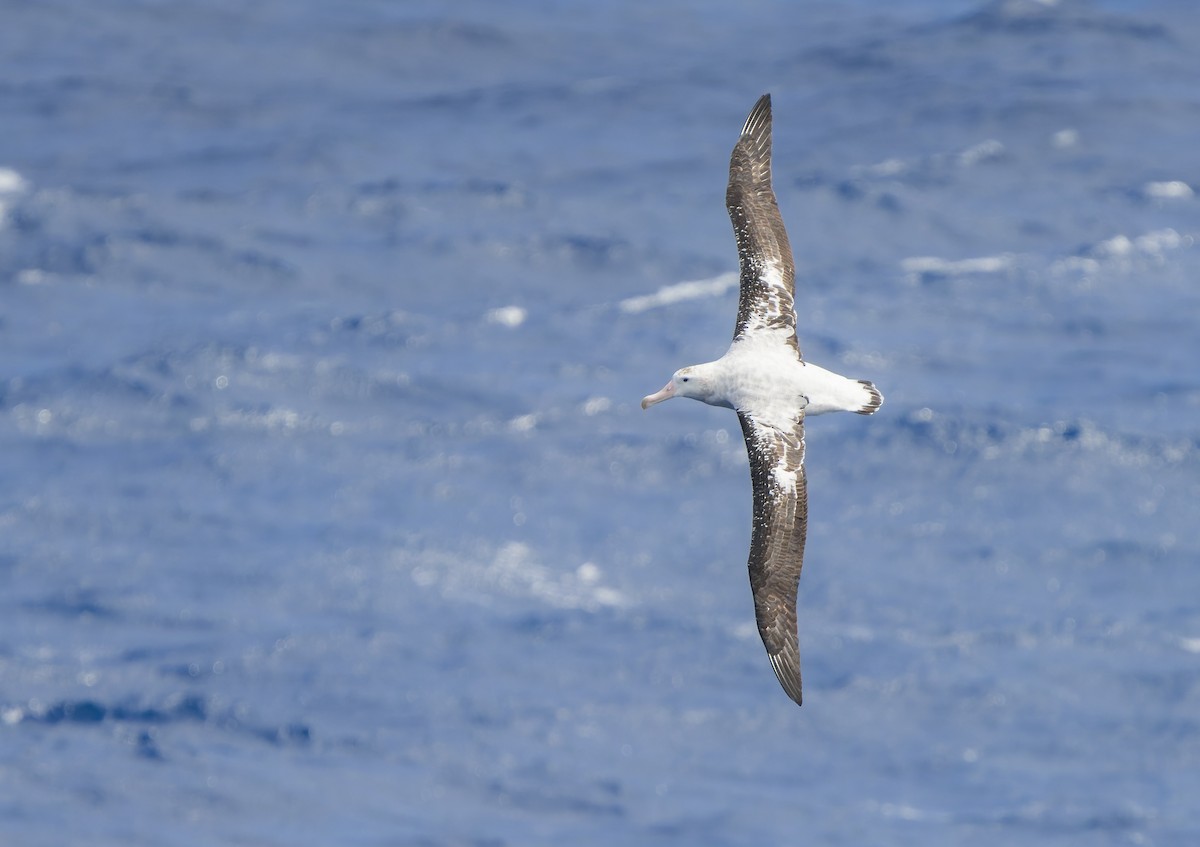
(328, 515)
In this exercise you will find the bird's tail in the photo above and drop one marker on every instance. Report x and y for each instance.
(874, 398)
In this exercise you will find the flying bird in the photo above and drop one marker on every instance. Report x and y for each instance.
(764, 378)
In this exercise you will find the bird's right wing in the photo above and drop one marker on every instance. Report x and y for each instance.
(777, 540)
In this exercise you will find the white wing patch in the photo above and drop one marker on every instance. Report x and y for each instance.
(773, 306)
(785, 478)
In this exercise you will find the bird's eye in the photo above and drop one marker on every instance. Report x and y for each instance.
(684, 378)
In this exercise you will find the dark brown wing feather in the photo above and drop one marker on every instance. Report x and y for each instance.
(768, 272)
(777, 541)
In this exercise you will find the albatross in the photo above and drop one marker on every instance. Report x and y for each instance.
(765, 379)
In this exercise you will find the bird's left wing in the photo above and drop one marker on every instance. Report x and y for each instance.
(768, 272)
(777, 541)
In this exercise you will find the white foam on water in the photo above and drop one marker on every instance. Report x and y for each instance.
(680, 291)
(596, 405)
(956, 267)
(523, 423)
(509, 316)
(12, 184)
(981, 152)
(514, 570)
(1174, 189)
(1065, 138)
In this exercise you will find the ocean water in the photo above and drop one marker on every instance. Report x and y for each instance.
(328, 512)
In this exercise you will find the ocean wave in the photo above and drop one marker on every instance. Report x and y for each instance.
(993, 439)
(514, 570)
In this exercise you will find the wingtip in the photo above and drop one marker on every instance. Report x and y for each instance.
(788, 675)
(759, 116)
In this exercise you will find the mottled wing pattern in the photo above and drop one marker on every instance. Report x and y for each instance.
(777, 542)
(768, 272)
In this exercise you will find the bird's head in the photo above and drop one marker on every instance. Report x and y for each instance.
(686, 382)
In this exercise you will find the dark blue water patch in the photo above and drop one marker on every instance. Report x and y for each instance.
(165, 243)
(586, 251)
(827, 671)
(25, 220)
(537, 787)
(526, 104)
(384, 329)
(189, 708)
(155, 653)
(161, 236)
(442, 36)
(888, 202)
(849, 189)
(211, 156)
(960, 436)
(543, 625)
(187, 670)
(81, 256)
(49, 93)
(809, 180)
(392, 186)
(468, 841)
(258, 260)
(1034, 17)
(122, 384)
(868, 57)
(1058, 820)
(1082, 327)
(94, 234)
(208, 195)
(1172, 686)
(81, 711)
(702, 825)
(146, 746)
(287, 735)
(490, 189)
(75, 604)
